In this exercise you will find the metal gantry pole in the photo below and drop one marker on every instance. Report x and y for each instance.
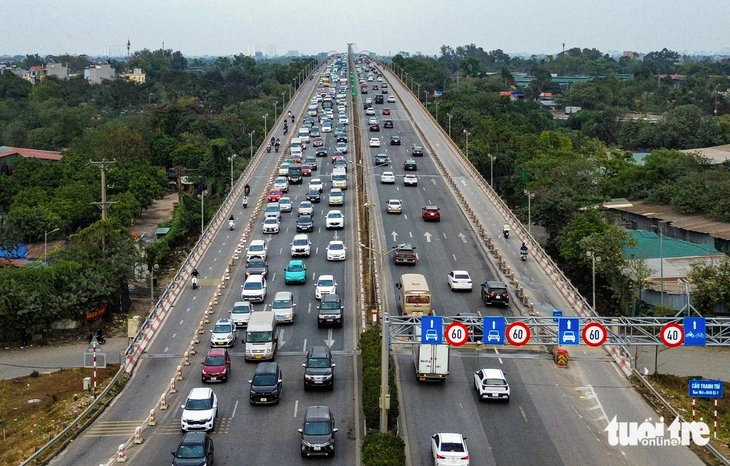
(384, 391)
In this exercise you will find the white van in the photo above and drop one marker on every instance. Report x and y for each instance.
(296, 142)
(304, 134)
(261, 341)
(283, 306)
(241, 312)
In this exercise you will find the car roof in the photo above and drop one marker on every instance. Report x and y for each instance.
(217, 351)
(293, 262)
(257, 241)
(255, 278)
(194, 437)
(200, 393)
(331, 297)
(496, 284)
(456, 272)
(282, 295)
(266, 368)
(317, 412)
(493, 373)
(451, 438)
(224, 321)
(326, 277)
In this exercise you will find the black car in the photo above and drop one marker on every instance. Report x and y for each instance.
(318, 432)
(388, 123)
(417, 151)
(313, 195)
(319, 370)
(266, 384)
(375, 127)
(410, 165)
(330, 311)
(305, 222)
(195, 449)
(381, 159)
(257, 266)
(473, 323)
(320, 152)
(395, 140)
(494, 292)
(341, 137)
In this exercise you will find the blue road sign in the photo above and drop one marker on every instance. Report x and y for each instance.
(568, 331)
(705, 388)
(493, 331)
(432, 330)
(557, 315)
(694, 331)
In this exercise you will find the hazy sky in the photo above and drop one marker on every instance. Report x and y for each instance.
(228, 27)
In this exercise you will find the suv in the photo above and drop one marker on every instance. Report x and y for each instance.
(223, 334)
(199, 410)
(490, 384)
(254, 289)
(319, 370)
(301, 246)
(330, 311)
(216, 365)
(417, 151)
(494, 292)
(283, 306)
(257, 248)
(195, 448)
(410, 165)
(266, 384)
(388, 123)
(318, 432)
(256, 266)
(405, 254)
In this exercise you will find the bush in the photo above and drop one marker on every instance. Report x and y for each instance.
(370, 344)
(383, 450)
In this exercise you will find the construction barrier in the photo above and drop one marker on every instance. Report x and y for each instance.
(561, 356)
(121, 454)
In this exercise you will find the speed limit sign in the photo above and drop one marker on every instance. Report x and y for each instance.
(457, 334)
(672, 335)
(595, 334)
(518, 334)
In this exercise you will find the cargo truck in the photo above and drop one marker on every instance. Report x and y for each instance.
(431, 362)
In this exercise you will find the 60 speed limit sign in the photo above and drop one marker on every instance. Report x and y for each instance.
(672, 335)
(456, 334)
(595, 334)
(517, 334)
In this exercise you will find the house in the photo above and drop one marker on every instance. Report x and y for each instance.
(137, 76)
(95, 74)
(8, 156)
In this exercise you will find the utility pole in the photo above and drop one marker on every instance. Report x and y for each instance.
(103, 204)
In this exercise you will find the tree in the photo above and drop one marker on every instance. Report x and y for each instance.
(711, 284)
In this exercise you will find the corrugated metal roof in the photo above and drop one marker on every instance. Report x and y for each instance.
(717, 154)
(6, 151)
(651, 246)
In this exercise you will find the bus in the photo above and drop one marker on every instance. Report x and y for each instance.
(414, 298)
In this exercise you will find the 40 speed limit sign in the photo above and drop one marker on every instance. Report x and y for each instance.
(517, 334)
(672, 335)
(594, 334)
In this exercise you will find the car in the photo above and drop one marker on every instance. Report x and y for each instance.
(394, 206)
(285, 204)
(283, 303)
(386, 111)
(306, 169)
(316, 183)
(311, 160)
(431, 213)
(341, 137)
(305, 222)
(491, 384)
(241, 313)
(340, 162)
(325, 284)
(271, 225)
(318, 432)
(314, 132)
(313, 195)
(301, 245)
(372, 121)
(200, 410)
(369, 101)
(405, 253)
(474, 324)
(449, 449)
(336, 197)
(416, 151)
(391, 99)
(320, 152)
(409, 179)
(364, 90)
(216, 365)
(334, 219)
(318, 142)
(375, 128)
(383, 90)
(374, 142)
(382, 159)
(256, 266)
(257, 248)
(375, 87)
(223, 334)
(319, 370)
(341, 147)
(410, 165)
(295, 272)
(266, 385)
(281, 183)
(254, 289)
(283, 169)
(370, 111)
(326, 128)
(195, 449)
(495, 292)
(459, 280)
(305, 208)
(387, 177)
(395, 140)
(388, 123)
(274, 195)
(342, 118)
(336, 250)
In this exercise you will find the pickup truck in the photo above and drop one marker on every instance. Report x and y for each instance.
(405, 254)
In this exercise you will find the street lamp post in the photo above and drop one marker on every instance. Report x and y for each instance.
(418, 92)
(492, 158)
(290, 89)
(45, 242)
(152, 284)
(250, 135)
(437, 110)
(594, 259)
(265, 127)
(467, 143)
(202, 211)
(449, 115)
(530, 197)
(231, 158)
(275, 103)
(283, 101)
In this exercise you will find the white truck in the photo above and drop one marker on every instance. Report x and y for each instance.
(261, 340)
(339, 178)
(431, 361)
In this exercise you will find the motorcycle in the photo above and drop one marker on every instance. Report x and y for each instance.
(505, 230)
(195, 282)
(231, 225)
(245, 202)
(286, 129)
(292, 118)
(523, 254)
(276, 147)
(268, 148)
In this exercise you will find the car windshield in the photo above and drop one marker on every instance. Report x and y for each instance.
(281, 304)
(259, 337)
(215, 361)
(198, 405)
(300, 242)
(454, 447)
(318, 362)
(252, 286)
(305, 219)
(334, 215)
(190, 451)
(317, 428)
(256, 247)
(222, 328)
(329, 305)
(241, 310)
(336, 247)
(493, 382)
(264, 379)
(322, 283)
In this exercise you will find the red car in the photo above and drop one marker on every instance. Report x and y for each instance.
(306, 170)
(217, 365)
(386, 111)
(319, 142)
(296, 158)
(375, 87)
(431, 213)
(274, 195)
(335, 158)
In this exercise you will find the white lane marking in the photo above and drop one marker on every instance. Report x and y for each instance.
(181, 322)
(235, 407)
(304, 345)
(296, 407)
(523, 413)
(496, 351)
(166, 348)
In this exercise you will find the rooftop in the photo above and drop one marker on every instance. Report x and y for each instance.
(6, 151)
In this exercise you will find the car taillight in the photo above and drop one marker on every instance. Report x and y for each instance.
(440, 457)
(465, 457)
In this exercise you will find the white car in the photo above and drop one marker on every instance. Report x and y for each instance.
(387, 177)
(391, 99)
(301, 246)
(491, 384)
(342, 147)
(271, 225)
(372, 121)
(305, 208)
(449, 449)
(394, 206)
(459, 280)
(199, 410)
(257, 248)
(327, 128)
(282, 183)
(336, 251)
(325, 284)
(254, 289)
(284, 169)
(408, 180)
(370, 111)
(343, 119)
(374, 142)
(285, 204)
(317, 184)
(336, 197)
(334, 219)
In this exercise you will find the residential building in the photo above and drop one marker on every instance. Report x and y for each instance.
(95, 74)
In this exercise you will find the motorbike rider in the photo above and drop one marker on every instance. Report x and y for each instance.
(231, 224)
(505, 230)
(523, 249)
(247, 189)
(245, 202)
(268, 148)
(195, 274)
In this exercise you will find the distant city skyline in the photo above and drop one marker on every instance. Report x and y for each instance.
(278, 27)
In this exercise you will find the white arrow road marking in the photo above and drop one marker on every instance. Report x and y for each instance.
(395, 236)
(463, 182)
(329, 341)
(336, 237)
(281, 337)
(463, 237)
(428, 237)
